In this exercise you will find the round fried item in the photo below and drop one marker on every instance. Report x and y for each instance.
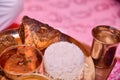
(6, 41)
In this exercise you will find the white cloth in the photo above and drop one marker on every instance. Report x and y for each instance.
(9, 10)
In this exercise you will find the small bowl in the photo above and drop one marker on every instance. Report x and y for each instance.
(20, 60)
(33, 77)
(13, 32)
(9, 38)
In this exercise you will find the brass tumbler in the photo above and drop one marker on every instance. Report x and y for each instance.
(105, 43)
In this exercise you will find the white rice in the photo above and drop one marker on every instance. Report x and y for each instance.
(64, 61)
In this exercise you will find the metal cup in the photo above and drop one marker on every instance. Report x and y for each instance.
(105, 43)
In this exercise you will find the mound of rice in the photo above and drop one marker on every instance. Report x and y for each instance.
(64, 61)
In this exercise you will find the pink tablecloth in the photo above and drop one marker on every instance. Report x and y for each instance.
(77, 18)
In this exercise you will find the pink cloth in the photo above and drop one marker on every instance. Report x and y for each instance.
(77, 18)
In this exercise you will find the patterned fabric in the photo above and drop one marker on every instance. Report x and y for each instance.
(77, 18)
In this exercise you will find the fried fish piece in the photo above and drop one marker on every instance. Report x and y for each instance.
(37, 34)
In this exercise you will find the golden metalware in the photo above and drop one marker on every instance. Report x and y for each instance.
(34, 77)
(105, 42)
(89, 70)
(20, 60)
(13, 32)
(8, 38)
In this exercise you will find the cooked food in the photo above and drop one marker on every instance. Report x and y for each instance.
(6, 41)
(64, 61)
(22, 59)
(35, 33)
(13, 32)
(3, 77)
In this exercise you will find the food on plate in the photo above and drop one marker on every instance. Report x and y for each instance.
(64, 61)
(20, 59)
(38, 34)
(6, 41)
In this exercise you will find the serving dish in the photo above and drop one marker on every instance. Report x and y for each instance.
(89, 69)
(33, 77)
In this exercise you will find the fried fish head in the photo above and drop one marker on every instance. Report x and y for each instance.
(38, 34)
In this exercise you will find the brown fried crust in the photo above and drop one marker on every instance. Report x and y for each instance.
(36, 33)
(6, 41)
